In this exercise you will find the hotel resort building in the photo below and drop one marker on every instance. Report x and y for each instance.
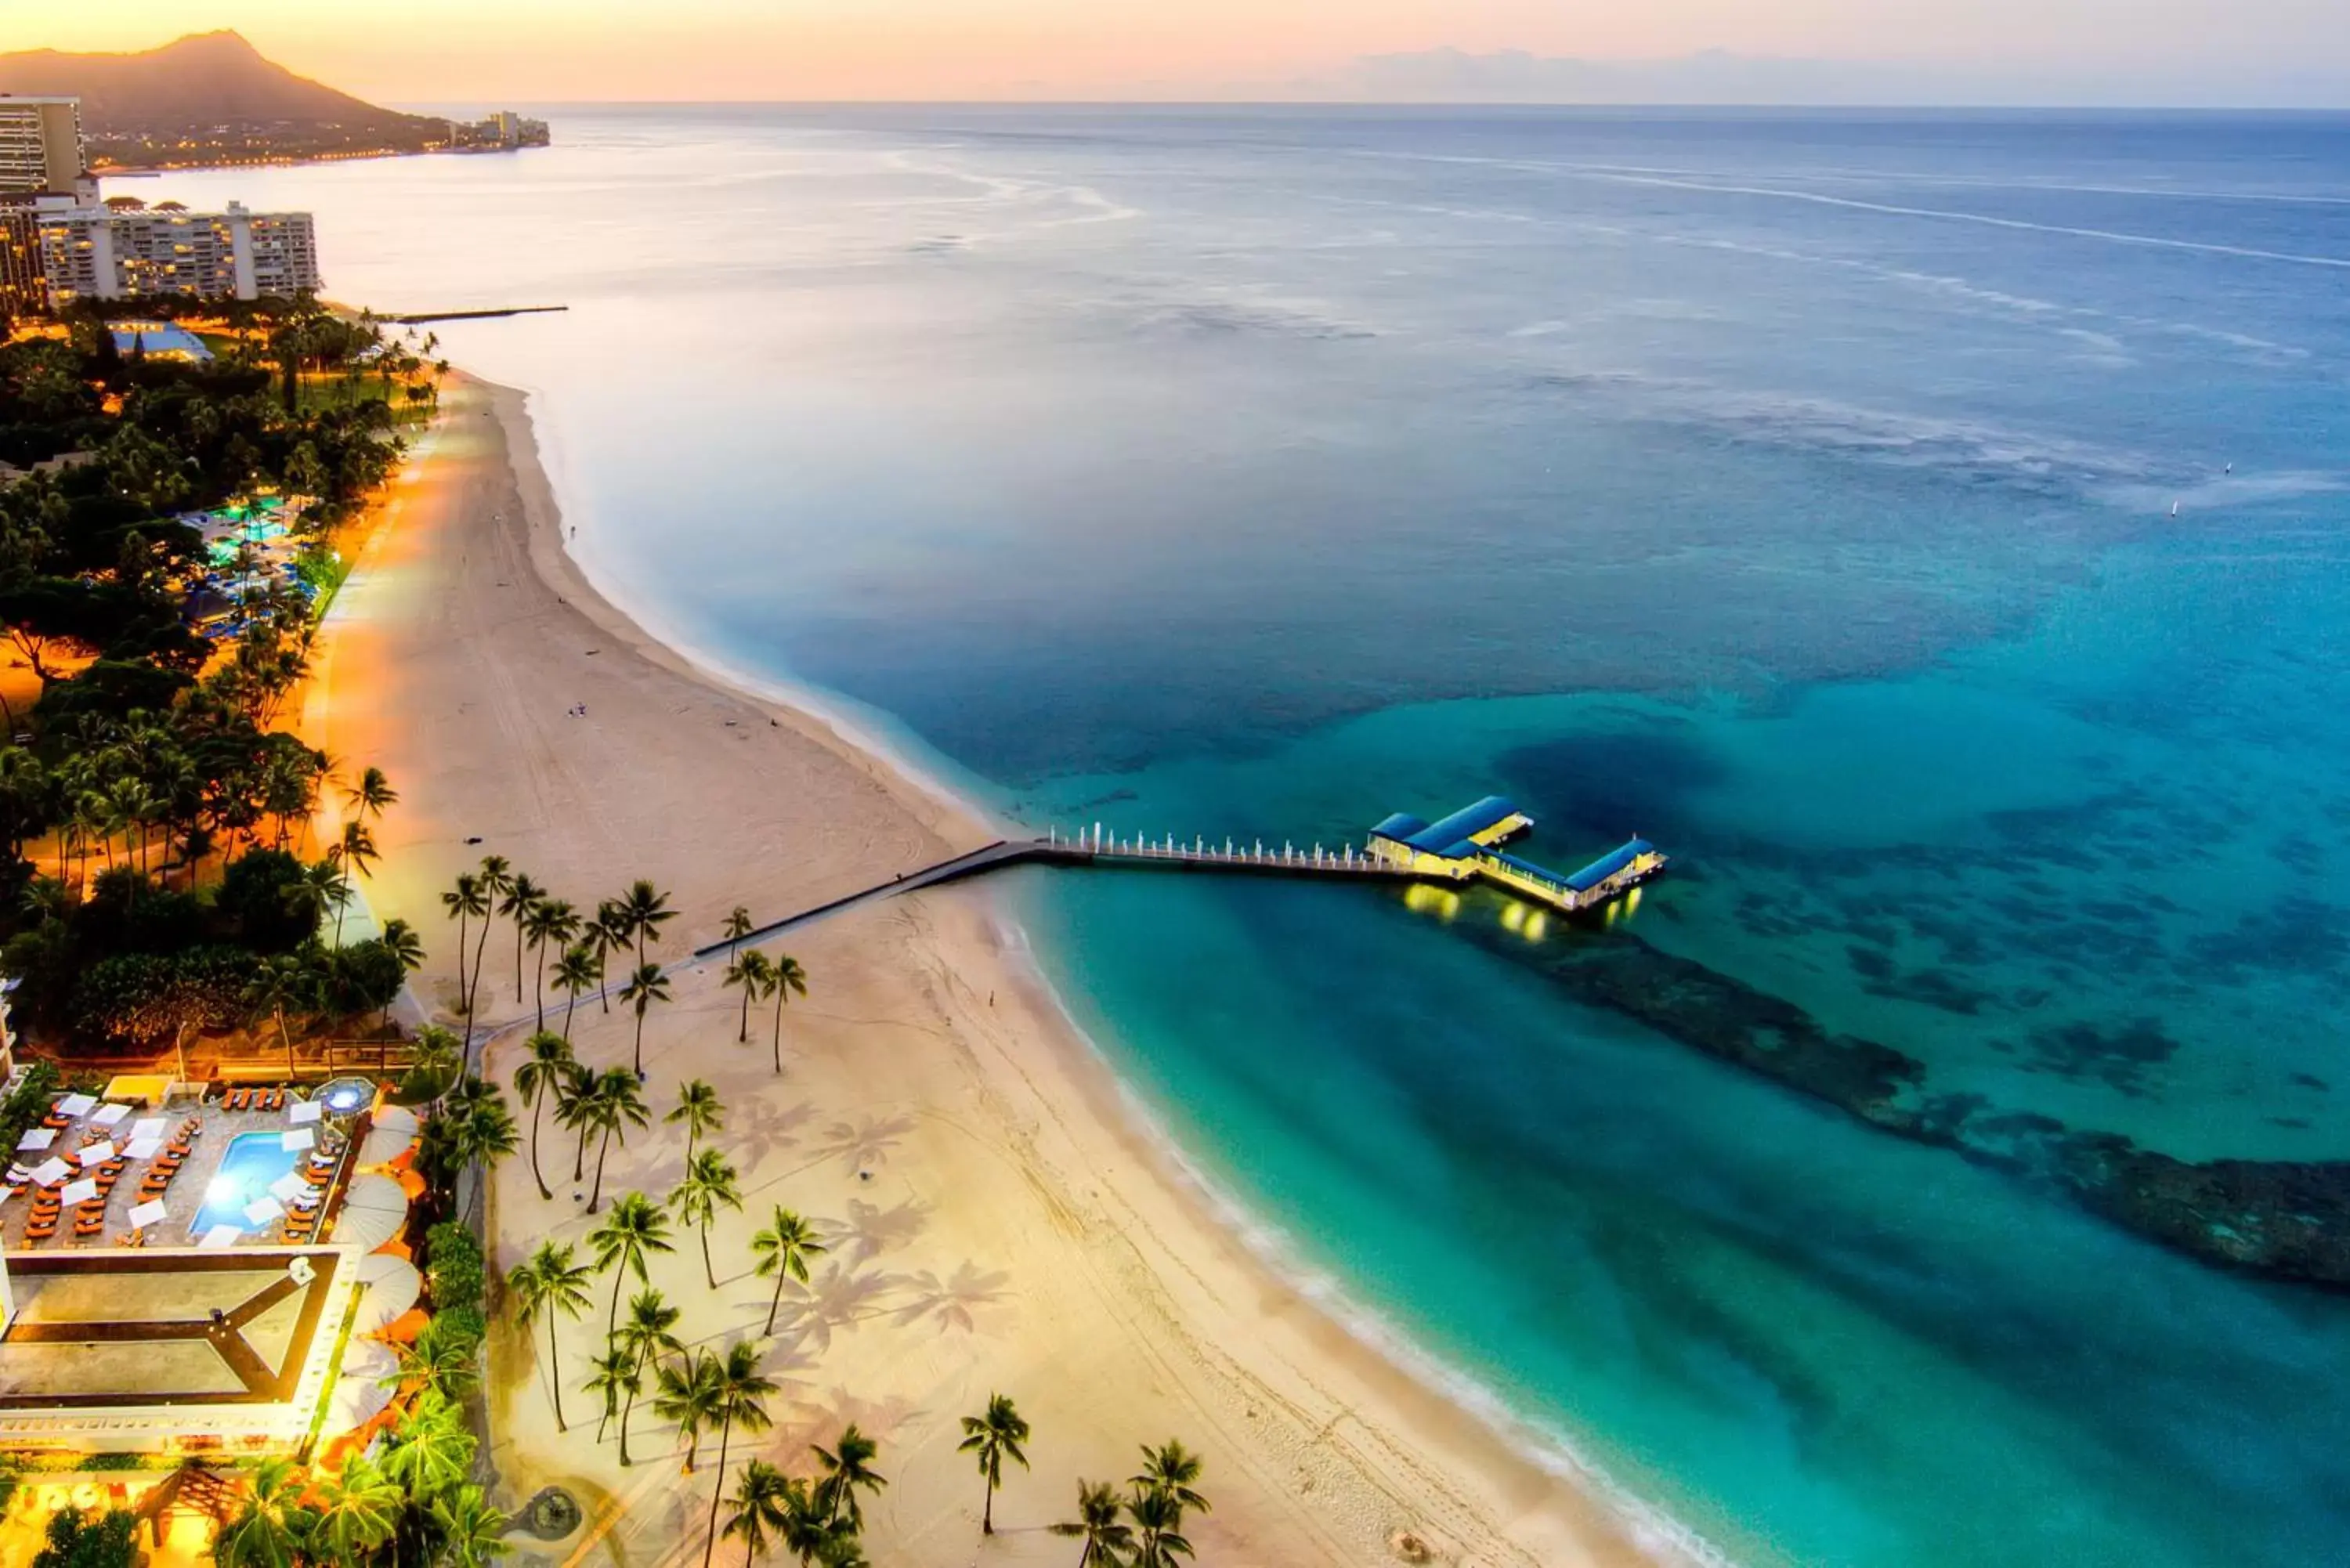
(103, 253)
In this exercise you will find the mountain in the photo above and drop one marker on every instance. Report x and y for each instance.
(215, 90)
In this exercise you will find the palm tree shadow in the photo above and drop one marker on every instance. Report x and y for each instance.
(756, 1126)
(838, 1297)
(820, 1421)
(956, 1302)
(871, 1229)
(865, 1146)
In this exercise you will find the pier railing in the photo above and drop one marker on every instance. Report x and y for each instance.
(1314, 861)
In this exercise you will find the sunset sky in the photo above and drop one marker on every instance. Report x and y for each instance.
(538, 50)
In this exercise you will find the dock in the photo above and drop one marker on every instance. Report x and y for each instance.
(1463, 848)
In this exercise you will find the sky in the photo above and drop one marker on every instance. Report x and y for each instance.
(525, 51)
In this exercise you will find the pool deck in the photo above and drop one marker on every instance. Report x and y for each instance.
(185, 1195)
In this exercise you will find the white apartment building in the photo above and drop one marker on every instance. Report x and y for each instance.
(97, 253)
(40, 146)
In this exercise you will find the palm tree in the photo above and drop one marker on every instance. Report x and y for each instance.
(465, 901)
(757, 1502)
(357, 850)
(431, 1450)
(784, 976)
(688, 1398)
(644, 988)
(615, 1375)
(849, 1465)
(538, 1080)
(522, 898)
(1172, 1468)
(617, 1106)
(472, 1533)
(738, 925)
(581, 967)
(549, 1284)
(808, 1528)
(357, 1513)
(698, 1107)
(1159, 1518)
(553, 923)
(994, 1436)
(400, 940)
(783, 1248)
(576, 1107)
(318, 890)
(1099, 1523)
(438, 1054)
(496, 877)
(648, 1332)
(482, 1129)
(272, 1527)
(608, 933)
(647, 910)
(708, 1186)
(749, 971)
(743, 1391)
(631, 1232)
(371, 796)
(279, 982)
(445, 1361)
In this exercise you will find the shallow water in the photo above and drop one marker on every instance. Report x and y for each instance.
(1796, 492)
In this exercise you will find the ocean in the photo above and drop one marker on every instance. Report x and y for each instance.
(1930, 529)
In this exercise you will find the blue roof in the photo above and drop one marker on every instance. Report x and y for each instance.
(1607, 865)
(1448, 836)
(1400, 825)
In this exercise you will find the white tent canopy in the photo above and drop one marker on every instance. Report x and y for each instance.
(359, 1392)
(367, 1228)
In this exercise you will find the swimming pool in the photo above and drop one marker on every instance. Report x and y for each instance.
(250, 1163)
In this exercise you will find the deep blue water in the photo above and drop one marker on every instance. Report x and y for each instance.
(1797, 490)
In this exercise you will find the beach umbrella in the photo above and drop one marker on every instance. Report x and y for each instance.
(77, 1104)
(397, 1118)
(262, 1210)
(374, 1211)
(388, 1287)
(80, 1191)
(384, 1146)
(221, 1237)
(50, 1171)
(38, 1138)
(107, 1115)
(96, 1154)
(298, 1139)
(360, 1395)
(303, 1112)
(152, 1213)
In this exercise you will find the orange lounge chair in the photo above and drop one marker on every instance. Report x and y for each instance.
(56, 1121)
(90, 1225)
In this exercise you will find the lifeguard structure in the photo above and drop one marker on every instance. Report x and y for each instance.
(1466, 846)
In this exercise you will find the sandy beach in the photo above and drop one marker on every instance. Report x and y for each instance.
(1002, 1219)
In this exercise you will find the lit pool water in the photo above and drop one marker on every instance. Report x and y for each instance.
(253, 1161)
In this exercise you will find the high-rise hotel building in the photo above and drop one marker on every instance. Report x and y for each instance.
(97, 253)
(41, 148)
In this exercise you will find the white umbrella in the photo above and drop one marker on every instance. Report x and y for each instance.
(385, 1144)
(143, 1148)
(78, 1105)
(39, 1138)
(149, 1127)
(303, 1111)
(298, 1139)
(262, 1211)
(376, 1193)
(288, 1187)
(50, 1171)
(397, 1118)
(367, 1228)
(388, 1287)
(80, 1191)
(359, 1391)
(107, 1115)
(96, 1154)
(152, 1213)
(221, 1236)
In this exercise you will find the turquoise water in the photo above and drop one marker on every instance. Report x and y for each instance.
(1931, 530)
(248, 1166)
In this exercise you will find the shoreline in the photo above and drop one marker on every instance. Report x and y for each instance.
(1331, 1437)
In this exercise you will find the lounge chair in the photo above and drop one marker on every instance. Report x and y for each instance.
(56, 1121)
(40, 1231)
(91, 1225)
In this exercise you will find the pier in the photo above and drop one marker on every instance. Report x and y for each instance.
(1462, 847)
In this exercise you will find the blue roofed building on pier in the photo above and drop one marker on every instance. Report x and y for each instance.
(1466, 846)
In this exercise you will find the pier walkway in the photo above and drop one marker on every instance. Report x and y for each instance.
(1094, 849)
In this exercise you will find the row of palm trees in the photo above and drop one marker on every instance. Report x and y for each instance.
(412, 1502)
